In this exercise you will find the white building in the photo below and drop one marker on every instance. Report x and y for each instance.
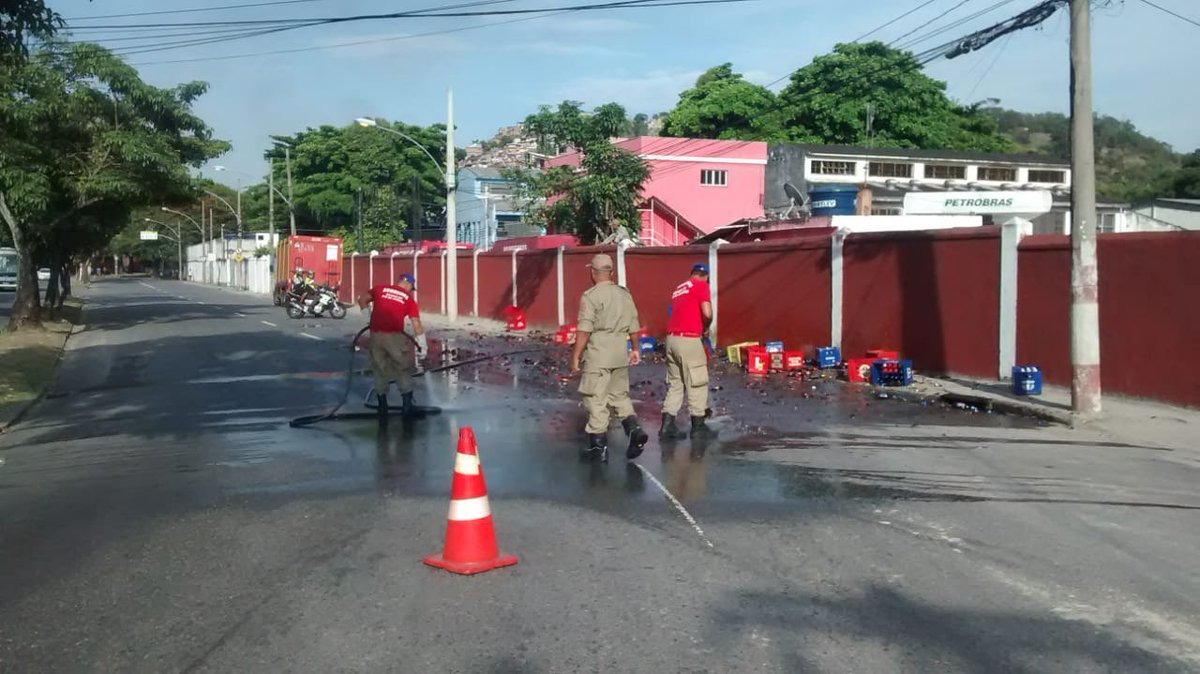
(487, 209)
(1166, 215)
(885, 175)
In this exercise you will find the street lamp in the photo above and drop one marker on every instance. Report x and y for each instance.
(272, 189)
(451, 216)
(178, 241)
(199, 228)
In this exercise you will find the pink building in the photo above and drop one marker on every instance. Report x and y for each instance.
(695, 186)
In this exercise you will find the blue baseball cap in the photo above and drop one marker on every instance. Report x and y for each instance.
(410, 278)
(700, 267)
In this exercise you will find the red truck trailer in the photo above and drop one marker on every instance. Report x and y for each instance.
(322, 255)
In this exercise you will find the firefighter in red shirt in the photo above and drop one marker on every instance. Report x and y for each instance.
(687, 361)
(392, 357)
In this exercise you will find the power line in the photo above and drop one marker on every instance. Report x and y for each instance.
(871, 32)
(187, 11)
(541, 13)
(936, 18)
(1172, 13)
(999, 53)
(925, 37)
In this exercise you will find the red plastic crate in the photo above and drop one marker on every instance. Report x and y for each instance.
(758, 361)
(859, 369)
(793, 360)
(565, 334)
(776, 361)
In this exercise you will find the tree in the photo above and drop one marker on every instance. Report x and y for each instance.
(330, 165)
(1130, 166)
(1185, 183)
(85, 141)
(22, 19)
(723, 105)
(827, 102)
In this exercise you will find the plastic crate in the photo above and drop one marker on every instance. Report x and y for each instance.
(793, 360)
(777, 361)
(883, 354)
(1027, 380)
(891, 372)
(647, 344)
(736, 353)
(758, 360)
(565, 334)
(828, 356)
(859, 369)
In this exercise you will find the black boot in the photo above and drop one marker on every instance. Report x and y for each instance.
(381, 411)
(700, 430)
(408, 407)
(597, 449)
(637, 437)
(669, 430)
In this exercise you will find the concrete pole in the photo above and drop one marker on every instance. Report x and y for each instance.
(1085, 306)
(451, 215)
(271, 203)
(287, 158)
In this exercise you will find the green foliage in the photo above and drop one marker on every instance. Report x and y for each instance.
(85, 142)
(827, 102)
(595, 203)
(330, 165)
(1130, 166)
(1185, 183)
(724, 106)
(568, 126)
(23, 19)
(263, 251)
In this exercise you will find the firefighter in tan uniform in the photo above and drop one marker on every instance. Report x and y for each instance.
(608, 322)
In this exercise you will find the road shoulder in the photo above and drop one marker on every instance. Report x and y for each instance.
(31, 360)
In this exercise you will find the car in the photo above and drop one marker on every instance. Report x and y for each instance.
(43, 274)
(8, 269)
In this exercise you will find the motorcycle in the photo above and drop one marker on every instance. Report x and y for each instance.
(320, 302)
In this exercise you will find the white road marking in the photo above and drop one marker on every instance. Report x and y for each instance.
(305, 334)
(678, 506)
(269, 323)
(199, 302)
(239, 314)
(147, 285)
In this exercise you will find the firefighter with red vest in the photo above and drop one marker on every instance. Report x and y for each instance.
(687, 361)
(392, 350)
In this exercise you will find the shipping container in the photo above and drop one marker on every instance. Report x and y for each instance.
(322, 255)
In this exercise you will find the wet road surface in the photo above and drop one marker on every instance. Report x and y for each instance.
(160, 515)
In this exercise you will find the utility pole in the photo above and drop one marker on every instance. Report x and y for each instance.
(1085, 305)
(451, 216)
(358, 244)
(239, 213)
(271, 202)
(287, 158)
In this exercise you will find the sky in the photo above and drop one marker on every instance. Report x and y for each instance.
(502, 68)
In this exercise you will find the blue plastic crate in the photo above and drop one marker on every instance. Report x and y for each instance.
(647, 344)
(774, 347)
(1027, 380)
(891, 373)
(829, 356)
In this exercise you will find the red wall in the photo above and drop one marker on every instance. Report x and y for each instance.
(1149, 326)
(429, 281)
(934, 296)
(770, 291)
(495, 284)
(652, 274)
(537, 286)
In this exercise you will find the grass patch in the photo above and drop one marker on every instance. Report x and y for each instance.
(28, 359)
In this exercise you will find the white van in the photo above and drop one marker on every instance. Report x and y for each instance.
(9, 263)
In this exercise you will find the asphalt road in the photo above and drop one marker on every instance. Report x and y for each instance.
(157, 514)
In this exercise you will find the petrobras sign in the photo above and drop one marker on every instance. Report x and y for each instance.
(1028, 203)
(148, 235)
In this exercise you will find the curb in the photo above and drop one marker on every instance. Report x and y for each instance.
(5, 426)
(1008, 407)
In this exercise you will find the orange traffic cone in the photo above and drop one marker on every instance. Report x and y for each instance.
(470, 538)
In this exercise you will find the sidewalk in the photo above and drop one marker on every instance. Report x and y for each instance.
(1129, 419)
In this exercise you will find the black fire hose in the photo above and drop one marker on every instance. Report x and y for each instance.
(301, 422)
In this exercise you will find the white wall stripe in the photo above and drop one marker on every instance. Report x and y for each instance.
(466, 464)
(469, 509)
(703, 160)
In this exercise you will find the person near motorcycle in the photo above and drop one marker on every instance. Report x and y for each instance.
(392, 350)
